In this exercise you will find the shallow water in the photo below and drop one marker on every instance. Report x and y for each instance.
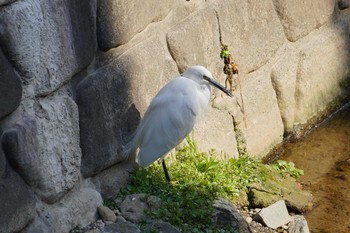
(324, 155)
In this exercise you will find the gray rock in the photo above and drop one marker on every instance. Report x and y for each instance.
(46, 150)
(274, 216)
(300, 17)
(134, 206)
(161, 227)
(226, 214)
(252, 31)
(121, 226)
(77, 208)
(116, 27)
(111, 99)
(187, 51)
(17, 202)
(298, 225)
(107, 215)
(48, 41)
(6, 2)
(317, 86)
(10, 87)
(111, 180)
(3, 162)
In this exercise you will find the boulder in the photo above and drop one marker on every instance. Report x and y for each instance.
(277, 188)
(226, 215)
(116, 27)
(10, 87)
(107, 215)
(17, 201)
(121, 226)
(251, 30)
(274, 216)
(46, 150)
(134, 206)
(111, 99)
(110, 181)
(298, 225)
(161, 227)
(48, 41)
(300, 17)
(77, 208)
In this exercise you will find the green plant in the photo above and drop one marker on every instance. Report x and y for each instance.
(287, 168)
(197, 180)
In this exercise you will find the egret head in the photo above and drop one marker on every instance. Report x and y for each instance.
(200, 75)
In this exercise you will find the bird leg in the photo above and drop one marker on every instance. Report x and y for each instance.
(167, 176)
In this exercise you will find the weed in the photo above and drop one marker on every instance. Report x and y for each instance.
(287, 168)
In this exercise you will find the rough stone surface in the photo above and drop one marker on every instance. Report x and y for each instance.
(107, 215)
(274, 216)
(161, 227)
(6, 2)
(48, 41)
(133, 207)
(110, 181)
(202, 51)
(300, 17)
(273, 190)
(252, 31)
(119, 20)
(121, 226)
(10, 87)
(261, 114)
(321, 79)
(107, 115)
(227, 215)
(17, 202)
(283, 76)
(77, 208)
(298, 225)
(46, 151)
(3, 162)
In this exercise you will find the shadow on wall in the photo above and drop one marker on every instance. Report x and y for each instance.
(106, 117)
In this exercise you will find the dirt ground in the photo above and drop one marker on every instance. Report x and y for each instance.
(324, 155)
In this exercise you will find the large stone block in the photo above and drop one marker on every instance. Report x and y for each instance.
(118, 20)
(283, 76)
(260, 128)
(77, 208)
(323, 73)
(300, 17)
(195, 41)
(251, 30)
(17, 202)
(46, 150)
(10, 87)
(111, 99)
(48, 41)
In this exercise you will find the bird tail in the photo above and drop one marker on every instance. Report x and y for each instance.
(129, 149)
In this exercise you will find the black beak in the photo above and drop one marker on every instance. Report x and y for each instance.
(219, 86)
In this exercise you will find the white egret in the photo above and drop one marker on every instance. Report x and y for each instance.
(172, 115)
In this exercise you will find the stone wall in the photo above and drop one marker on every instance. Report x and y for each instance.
(76, 77)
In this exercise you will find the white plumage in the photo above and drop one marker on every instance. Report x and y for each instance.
(172, 115)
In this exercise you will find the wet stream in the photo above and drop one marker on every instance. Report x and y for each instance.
(324, 155)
